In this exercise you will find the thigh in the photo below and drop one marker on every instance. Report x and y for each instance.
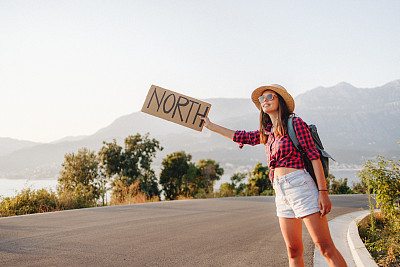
(318, 228)
(292, 231)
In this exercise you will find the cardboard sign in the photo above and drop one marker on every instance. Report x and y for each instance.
(178, 108)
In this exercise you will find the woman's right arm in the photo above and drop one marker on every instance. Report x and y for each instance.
(228, 133)
(240, 137)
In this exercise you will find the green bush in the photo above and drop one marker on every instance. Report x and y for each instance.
(226, 190)
(268, 192)
(340, 187)
(381, 232)
(29, 201)
(80, 197)
(359, 188)
(383, 180)
(337, 186)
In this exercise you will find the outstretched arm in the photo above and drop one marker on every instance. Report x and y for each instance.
(228, 133)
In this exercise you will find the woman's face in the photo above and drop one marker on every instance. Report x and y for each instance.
(270, 106)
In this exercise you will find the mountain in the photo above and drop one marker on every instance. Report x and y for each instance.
(69, 139)
(9, 145)
(221, 110)
(355, 124)
(353, 118)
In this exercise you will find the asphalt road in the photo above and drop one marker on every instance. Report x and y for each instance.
(209, 232)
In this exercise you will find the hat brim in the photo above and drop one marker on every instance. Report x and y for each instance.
(277, 89)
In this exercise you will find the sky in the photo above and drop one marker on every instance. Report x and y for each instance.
(70, 68)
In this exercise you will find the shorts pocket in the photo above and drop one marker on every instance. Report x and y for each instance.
(298, 181)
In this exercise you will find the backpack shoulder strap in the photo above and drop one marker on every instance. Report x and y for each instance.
(292, 134)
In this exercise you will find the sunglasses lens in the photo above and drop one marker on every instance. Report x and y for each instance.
(269, 97)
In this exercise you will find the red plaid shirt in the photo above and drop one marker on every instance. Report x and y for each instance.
(280, 150)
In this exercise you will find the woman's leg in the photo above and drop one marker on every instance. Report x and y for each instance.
(319, 231)
(291, 231)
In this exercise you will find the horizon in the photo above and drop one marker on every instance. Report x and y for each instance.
(205, 99)
(69, 68)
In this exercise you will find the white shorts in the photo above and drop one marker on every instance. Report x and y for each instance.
(296, 195)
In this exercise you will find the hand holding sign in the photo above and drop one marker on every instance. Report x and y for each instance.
(175, 107)
(206, 121)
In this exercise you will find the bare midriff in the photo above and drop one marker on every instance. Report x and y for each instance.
(280, 171)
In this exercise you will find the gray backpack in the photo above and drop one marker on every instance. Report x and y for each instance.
(324, 156)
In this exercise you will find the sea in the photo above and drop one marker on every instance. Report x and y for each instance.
(11, 187)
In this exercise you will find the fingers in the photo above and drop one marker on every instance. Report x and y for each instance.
(324, 208)
(323, 212)
(205, 120)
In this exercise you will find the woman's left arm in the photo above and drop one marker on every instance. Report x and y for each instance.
(324, 202)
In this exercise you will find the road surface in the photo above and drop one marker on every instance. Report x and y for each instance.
(209, 232)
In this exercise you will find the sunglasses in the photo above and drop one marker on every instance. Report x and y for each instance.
(268, 97)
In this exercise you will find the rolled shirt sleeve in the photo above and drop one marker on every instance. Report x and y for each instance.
(248, 138)
(305, 139)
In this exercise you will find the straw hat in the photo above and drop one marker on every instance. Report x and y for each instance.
(277, 89)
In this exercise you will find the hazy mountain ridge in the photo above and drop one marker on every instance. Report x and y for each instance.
(354, 99)
(9, 145)
(355, 124)
(69, 139)
(353, 118)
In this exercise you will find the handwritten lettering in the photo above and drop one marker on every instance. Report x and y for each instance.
(178, 104)
(175, 107)
(165, 102)
(158, 102)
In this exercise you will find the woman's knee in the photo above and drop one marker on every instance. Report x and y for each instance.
(295, 251)
(327, 249)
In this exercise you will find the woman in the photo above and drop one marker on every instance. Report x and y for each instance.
(297, 197)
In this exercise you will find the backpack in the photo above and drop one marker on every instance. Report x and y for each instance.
(324, 156)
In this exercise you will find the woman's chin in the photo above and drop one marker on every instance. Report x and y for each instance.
(266, 110)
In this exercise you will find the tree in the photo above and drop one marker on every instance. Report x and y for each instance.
(226, 190)
(359, 188)
(259, 181)
(209, 173)
(190, 186)
(181, 177)
(338, 186)
(235, 187)
(236, 181)
(125, 166)
(78, 184)
(175, 177)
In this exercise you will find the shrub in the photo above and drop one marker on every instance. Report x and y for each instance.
(383, 179)
(359, 188)
(337, 186)
(80, 197)
(268, 192)
(226, 190)
(29, 201)
(381, 232)
(340, 186)
(131, 195)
